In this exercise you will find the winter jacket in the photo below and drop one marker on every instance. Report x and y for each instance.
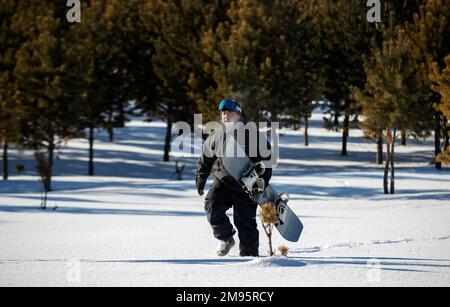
(209, 162)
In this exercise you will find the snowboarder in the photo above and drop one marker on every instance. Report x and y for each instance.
(226, 193)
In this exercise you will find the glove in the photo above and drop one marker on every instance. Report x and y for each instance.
(200, 183)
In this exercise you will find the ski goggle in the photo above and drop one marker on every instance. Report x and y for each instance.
(230, 105)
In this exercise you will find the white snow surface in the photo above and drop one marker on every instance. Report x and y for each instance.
(131, 225)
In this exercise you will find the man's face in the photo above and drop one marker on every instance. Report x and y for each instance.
(230, 117)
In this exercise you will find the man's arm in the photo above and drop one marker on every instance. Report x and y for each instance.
(204, 165)
(268, 172)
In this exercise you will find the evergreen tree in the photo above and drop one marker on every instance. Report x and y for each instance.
(10, 41)
(120, 23)
(174, 28)
(441, 80)
(429, 32)
(15, 29)
(201, 81)
(343, 37)
(395, 13)
(392, 99)
(259, 56)
(44, 83)
(101, 63)
(141, 34)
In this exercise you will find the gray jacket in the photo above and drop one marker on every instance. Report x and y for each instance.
(209, 162)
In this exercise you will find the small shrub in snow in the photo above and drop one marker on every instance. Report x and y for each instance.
(269, 217)
(284, 250)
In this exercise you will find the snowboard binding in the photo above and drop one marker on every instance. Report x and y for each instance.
(252, 181)
(281, 204)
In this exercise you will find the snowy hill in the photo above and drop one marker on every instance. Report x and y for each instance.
(132, 225)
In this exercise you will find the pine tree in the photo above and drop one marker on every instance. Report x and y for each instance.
(395, 13)
(429, 32)
(201, 81)
(6, 62)
(44, 83)
(343, 36)
(259, 56)
(141, 34)
(101, 62)
(120, 25)
(441, 80)
(10, 42)
(393, 95)
(174, 29)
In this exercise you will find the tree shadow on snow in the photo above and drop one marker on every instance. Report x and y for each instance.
(165, 187)
(325, 192)
(100, 211)
(253, 262)
(382, 263)
(217, 261)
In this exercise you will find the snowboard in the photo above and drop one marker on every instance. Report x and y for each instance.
(247, 174)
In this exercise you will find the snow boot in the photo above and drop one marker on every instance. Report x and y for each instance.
(225, 246)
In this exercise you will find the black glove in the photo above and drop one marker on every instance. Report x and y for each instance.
(200, 183)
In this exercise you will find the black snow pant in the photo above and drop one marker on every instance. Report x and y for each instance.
(219, 200)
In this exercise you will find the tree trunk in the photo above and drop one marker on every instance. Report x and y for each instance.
(447, 133)
(437, 139)
(122, 115)
(393, 163)
(274, 116)
(271, 252)
(44, 200)
(345, 135)
(306, 131)
(336, 122)
(168, 139)
(386, 170)
(5, 160)
(110, 126)
(111, 134)
(380, 149)
(389, 144)
(49, 171)
(404, 138)
(91, 150)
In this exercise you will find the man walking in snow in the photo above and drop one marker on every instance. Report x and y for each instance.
(225, 193)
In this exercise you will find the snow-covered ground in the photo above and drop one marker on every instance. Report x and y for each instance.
(133, 226)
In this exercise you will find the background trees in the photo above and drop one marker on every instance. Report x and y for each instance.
(441, 80)
(340, 41)
(10, 41)
(99, 53)
(169, 60)
(392, 101)
(44, 84)
(260, 54)
(428, 32)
